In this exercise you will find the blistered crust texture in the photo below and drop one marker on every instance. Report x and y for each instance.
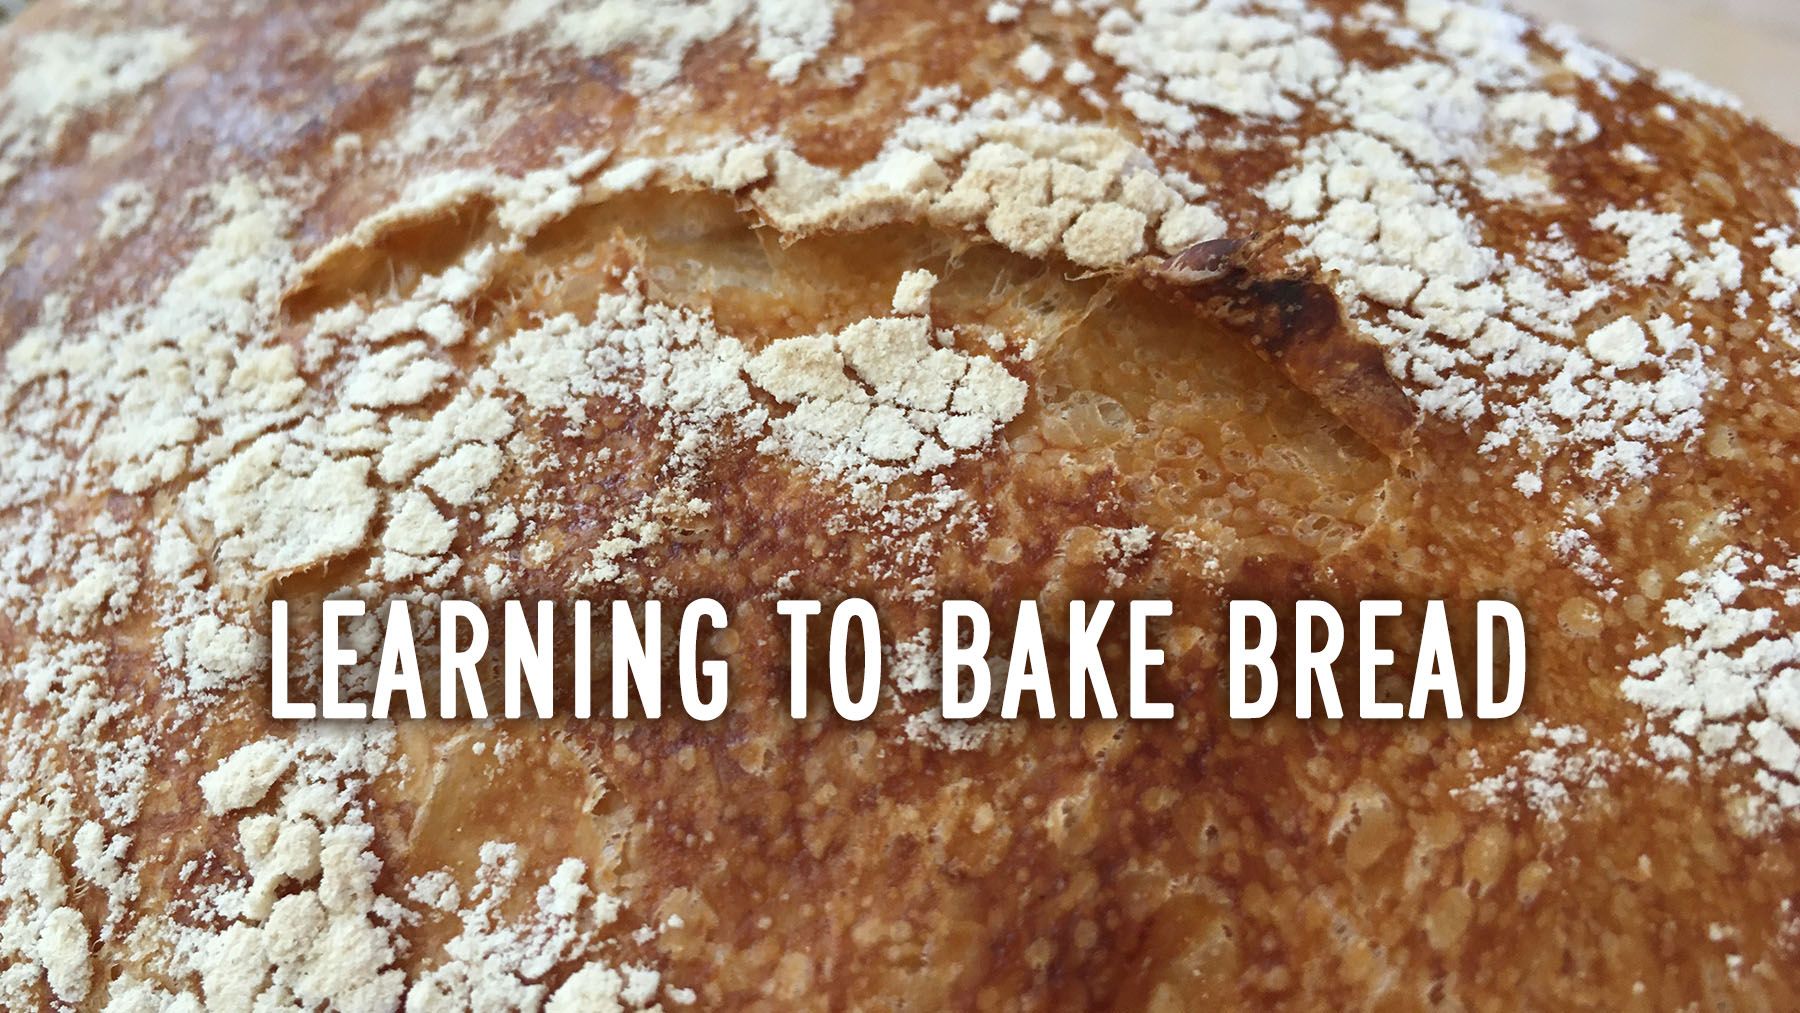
(803, 298)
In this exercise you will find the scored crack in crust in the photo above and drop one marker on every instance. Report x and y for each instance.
(801, 298)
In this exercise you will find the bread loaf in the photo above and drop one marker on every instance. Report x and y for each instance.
(1052, 300)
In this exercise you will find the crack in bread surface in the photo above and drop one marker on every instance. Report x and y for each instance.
(1176, 409)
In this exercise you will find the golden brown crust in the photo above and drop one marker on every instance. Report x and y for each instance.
(1317, 299)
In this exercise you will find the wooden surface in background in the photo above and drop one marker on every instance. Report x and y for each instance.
(1748, 47)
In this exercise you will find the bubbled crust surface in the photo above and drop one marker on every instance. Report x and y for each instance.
(1237, 400)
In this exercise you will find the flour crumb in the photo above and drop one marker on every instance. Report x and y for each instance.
(1035, 63)
(913, 295)
(63, 948)
(124, 210)
(1621, 343)
(245, 776)
(1106, 235)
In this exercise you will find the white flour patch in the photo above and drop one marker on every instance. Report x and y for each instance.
(1728, 691)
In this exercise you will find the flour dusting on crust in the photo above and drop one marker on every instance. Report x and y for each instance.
(388, 328)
